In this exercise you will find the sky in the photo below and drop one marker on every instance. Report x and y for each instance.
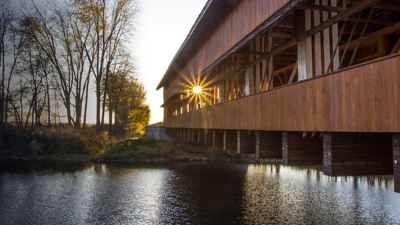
(162, 26)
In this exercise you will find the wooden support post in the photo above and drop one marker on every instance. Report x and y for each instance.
(270, 79)
(335, 38)
(257, 71)
(304, 47)
(317, 43)
(396, 161)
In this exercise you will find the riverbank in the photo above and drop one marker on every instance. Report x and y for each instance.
(146, 150)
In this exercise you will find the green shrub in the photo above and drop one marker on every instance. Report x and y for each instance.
(96, 143)
(142, 148)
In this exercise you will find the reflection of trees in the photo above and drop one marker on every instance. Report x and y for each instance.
(43, 166)
(203, 193)
(303, 195)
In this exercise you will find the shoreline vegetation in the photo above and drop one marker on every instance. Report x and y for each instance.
(69, 144)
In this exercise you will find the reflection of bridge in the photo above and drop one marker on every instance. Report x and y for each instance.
(315, 82)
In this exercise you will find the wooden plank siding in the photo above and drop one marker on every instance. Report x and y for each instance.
(244, 18)
(362, 98)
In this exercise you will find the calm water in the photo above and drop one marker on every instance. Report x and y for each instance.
(190, 193)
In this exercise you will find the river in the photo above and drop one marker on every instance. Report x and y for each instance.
(190, 193)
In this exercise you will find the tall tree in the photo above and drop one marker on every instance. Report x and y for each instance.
(11, 43)
(112, 22)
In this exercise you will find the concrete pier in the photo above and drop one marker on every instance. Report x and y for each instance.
(396, 161)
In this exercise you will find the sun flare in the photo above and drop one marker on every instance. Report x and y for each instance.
(197, 89)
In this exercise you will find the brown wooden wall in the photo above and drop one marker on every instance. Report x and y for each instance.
(244, 18)
(364, 98)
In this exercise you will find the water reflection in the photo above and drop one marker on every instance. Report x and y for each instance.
(190, 193)
(294, 195)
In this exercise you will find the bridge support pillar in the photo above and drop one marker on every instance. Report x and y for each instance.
(300, 148)
(396, 161)
(246, 142)
(257, 144)
(270, 144)
(351, 154)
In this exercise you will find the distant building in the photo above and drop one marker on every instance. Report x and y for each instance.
(156, 131)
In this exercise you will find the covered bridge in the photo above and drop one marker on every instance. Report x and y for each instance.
(314, 82)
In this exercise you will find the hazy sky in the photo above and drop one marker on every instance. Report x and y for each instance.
(162, 27)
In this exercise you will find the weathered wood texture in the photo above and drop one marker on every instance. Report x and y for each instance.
(299, 150)
(247, 142)
(209, 137)
(363, 98)
(230, 140)
(201, 136)
(244, 18)
(351, 154)
(189, 134)
(219, 138)
(270, 144)
(396, 167)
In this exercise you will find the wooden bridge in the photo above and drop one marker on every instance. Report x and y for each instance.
(314, 82)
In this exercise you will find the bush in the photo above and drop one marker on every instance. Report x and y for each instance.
(142, 148)
(96, 143)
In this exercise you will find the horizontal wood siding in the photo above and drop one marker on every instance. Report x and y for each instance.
(359, 99)
(245, 17)
(361, 154)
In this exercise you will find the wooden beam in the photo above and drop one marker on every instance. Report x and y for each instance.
(286, 68)
(396, 47)
(373, 37)
(335, 19)
(280, 35)
(388, 5)
(325, 8)
(294, 71)
(373, 21)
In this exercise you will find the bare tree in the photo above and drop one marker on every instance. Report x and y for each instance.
(112, 23)
(11, 43)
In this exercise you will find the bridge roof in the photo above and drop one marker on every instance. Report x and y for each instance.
(212, 14)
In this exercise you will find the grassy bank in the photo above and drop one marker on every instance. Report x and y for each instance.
(142, 148)
(74, 144)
